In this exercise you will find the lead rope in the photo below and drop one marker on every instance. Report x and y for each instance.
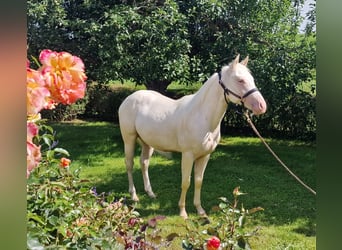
(249, 120)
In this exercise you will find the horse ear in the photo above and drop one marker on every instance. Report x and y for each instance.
(236, 60)
(244, 61)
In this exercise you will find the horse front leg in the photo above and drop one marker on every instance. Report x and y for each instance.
(146, 153)
(187, 162)
(199, 168)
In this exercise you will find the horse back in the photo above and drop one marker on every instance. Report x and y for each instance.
(152, 117)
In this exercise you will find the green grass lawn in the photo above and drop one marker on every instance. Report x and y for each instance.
(289, 218)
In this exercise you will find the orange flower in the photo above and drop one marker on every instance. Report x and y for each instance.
(65, 162)
(213, 243)
(64, 76)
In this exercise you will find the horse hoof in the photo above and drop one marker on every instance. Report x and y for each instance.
(184, 215)
(151, 195)
(135, 198)
(203, 215)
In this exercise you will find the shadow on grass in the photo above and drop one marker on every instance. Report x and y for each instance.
(308, 229)
(268, 184)
(245, 163)
(165, 181)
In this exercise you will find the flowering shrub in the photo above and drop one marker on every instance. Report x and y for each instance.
(64, 212)
(228, 233)
(60, 79)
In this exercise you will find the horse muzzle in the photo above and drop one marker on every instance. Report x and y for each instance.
(259, 107)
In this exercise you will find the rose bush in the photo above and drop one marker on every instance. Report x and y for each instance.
(227, 233)
(59, 79)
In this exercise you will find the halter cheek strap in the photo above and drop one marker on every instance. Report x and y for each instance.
(228, 91)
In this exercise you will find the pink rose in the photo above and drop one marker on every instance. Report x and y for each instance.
(33, 157)
(64, 76)
(37, 94)
(32, 130)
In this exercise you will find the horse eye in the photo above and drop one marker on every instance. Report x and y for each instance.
(241, 81)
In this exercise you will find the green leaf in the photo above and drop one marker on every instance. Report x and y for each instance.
(53, 220)
(62, 151)
(215, 208)
(35, 217)
(242, 220)
(255, 209)
(62, 229)
(58, 183)
(223, 205)
(50, 154)
(242, 243)
(46, 140)
(84, 189)
(187, 245)
(212, 231)
(171, 236)
(224, 199)
(33, 243)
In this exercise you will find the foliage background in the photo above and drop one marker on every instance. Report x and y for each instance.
(156, 43)
(151, 85)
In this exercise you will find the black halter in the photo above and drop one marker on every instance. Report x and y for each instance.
(228, 91)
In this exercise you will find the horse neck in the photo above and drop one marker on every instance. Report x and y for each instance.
(211, 101)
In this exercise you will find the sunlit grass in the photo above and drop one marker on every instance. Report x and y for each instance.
(289, 218)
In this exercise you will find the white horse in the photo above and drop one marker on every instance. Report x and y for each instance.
(190, 125)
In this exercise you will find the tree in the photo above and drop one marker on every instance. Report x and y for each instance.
(145, 41)
(282, 59)
(46, 26)
(311, 15)
(153, 45)
(154, 42)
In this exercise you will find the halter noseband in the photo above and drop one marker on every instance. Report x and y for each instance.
(228, 91)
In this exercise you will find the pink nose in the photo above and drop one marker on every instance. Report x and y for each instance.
(259, 108)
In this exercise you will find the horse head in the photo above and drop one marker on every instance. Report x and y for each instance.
(239, 86)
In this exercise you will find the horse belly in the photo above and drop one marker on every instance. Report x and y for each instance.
(198, 138)
(157, 137)
(156, 128)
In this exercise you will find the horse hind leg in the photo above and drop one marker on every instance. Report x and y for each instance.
(129, 161)
(146, 153)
